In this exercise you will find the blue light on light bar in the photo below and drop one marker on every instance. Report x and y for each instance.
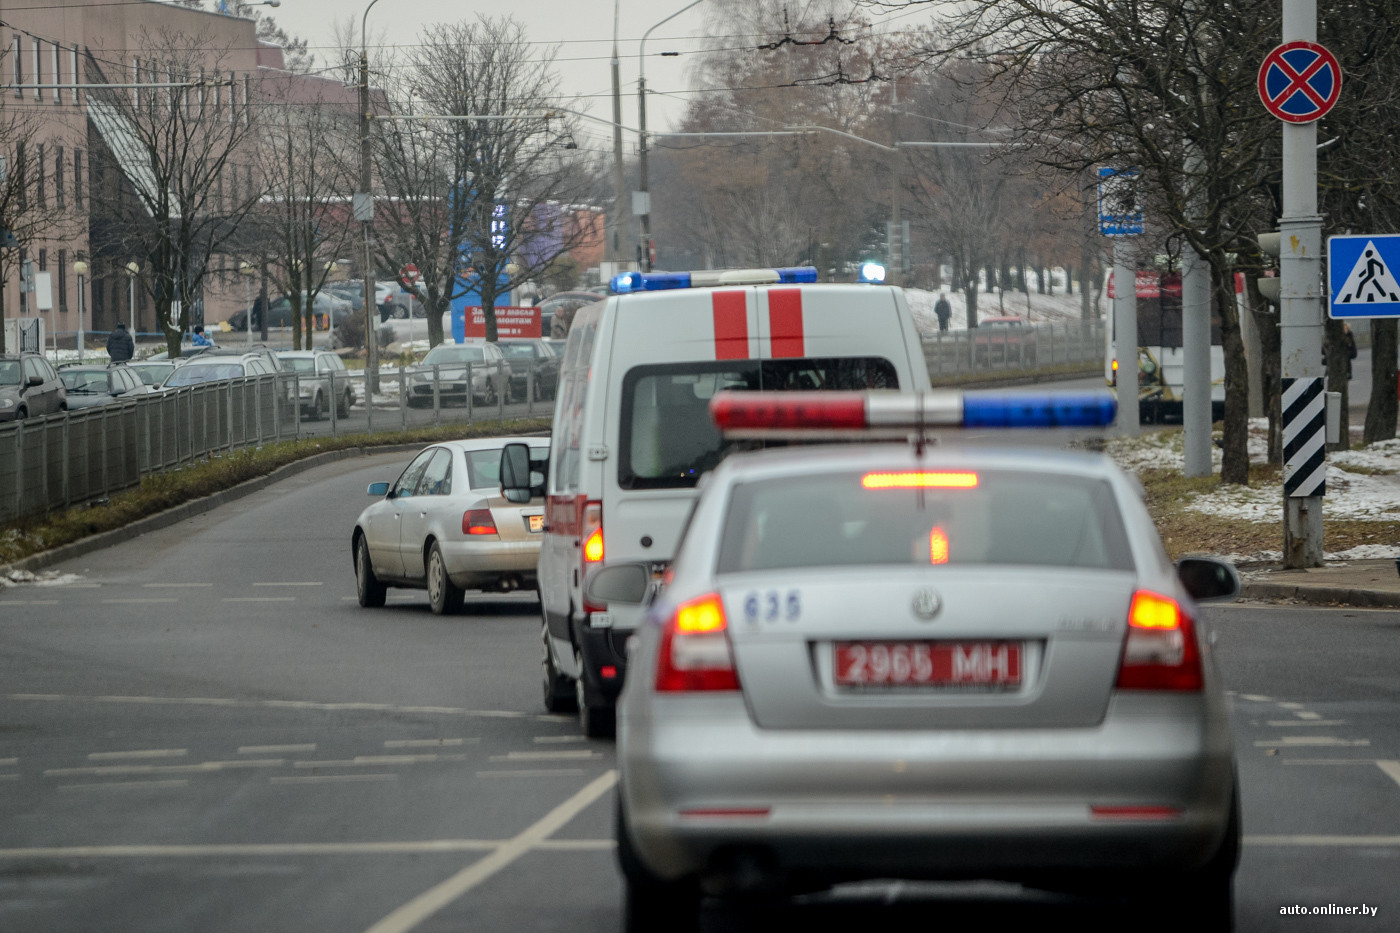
(797, 275)
(632, 282)
(1025, 409)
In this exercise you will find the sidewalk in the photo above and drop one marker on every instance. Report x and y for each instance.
(1371, 584)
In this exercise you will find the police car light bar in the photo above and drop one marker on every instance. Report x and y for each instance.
(629, 282)
(779, 414)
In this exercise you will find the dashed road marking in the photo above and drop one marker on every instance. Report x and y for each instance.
(532, 772)
(1391, 769)
(1312, 741)
(174, 586)
(1290, 705)
(333, 778)
(9, 761)
(141, 600)
(360, 761)
(566, 755)
(29, 602)
(434, 899)
(1329, 761)
(276, 749)
(427, 743)
(1256, 698)
(1312, 723)
(201, 768)
(272, 704)
(1386, 841)
(127, 785)
(558, 738)
(259, 599)
(289, 583)
(139, 753)
(283, 849)
(1307, 714)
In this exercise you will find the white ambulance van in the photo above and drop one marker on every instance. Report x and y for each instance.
(632, 433)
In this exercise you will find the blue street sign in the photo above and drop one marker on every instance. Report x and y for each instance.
(1120, 211)
(1361, 276)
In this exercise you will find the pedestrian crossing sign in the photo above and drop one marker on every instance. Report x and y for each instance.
(1363, 276)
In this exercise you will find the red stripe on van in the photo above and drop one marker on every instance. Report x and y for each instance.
(731, 315)
(785, 322)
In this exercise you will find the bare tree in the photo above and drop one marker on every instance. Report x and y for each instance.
(474, 202)
(304, 219)
(179, 160)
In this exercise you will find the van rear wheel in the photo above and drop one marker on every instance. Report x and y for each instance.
(558, 689)
(596, 716)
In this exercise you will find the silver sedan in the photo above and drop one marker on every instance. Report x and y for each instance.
(444, 526)
(926, 662)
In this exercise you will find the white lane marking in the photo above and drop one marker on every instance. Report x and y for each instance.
(543, 739)
(1290, 705)
(426, 743)
(147, 599)
(313, 583)
(172, 586)
(1256, 698)
(333, 778)
(414, 847)
(275, 749)
(535, 772)
(142, 753)
(127, 785)
(1329, 761)
(566, 755)
(277, 704)
(364, 760)
(1322, 840)
(1308, 741)
(1391, 769)
(9, 761)
(434, 899)
(201, 768)
(29, 602)
(259, 599)
(1306, 714)
(1285, 723)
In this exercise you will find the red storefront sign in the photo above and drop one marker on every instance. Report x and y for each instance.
(510, 322)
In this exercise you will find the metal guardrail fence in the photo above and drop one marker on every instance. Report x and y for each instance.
(78, 457)
(1000, 348)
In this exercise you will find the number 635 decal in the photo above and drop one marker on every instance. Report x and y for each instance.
(772, 605)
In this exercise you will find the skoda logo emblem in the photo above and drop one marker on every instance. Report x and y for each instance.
(927, 604)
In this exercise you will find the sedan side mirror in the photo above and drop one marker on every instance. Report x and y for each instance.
(377, 490)
(1208, 578)
(627, 584)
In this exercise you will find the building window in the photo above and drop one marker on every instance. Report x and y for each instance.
(248, 178)
(232, 110)
(22, 173)
(233, 185)
(136, 79)
(57, 77)
(19, 68)
(43, 260)
(62, 280)
(40, 194)
(78, 178)
(73, 62)
(58, 175)
(247, 108)
(38, 69)
(219, 193)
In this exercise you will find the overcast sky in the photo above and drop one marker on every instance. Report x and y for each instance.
(582, 30)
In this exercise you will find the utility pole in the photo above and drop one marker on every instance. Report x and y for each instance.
(619, 225)
(894, 275)
(1195, 345)
(364, 213)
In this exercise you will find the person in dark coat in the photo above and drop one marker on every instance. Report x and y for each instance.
(120, 346)
(944, 310)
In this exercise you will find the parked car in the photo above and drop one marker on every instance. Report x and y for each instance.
(29, 386)
(485, 362)
(218, 367)
(280, 313)
(1004, 338)
(444, 526)
(94, 385)
(528, 356)
(187, 351)
(154, 372)
(564, 304)
(321, 379)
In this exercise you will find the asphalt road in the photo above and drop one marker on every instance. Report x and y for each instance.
(201, 730)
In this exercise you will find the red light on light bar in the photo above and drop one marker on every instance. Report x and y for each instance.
(734, 411)
(937, 546)
(1135, 813)
(919, 481)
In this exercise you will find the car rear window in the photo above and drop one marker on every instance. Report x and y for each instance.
(870, 518)
(667, 437)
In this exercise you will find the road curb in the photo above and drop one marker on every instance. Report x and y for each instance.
(179, 513)
(1321, 595)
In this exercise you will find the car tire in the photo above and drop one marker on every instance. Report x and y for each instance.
(318, 408)
(650, 903)
(370, 591)
(488, 396)
(558, 690)
(444, 597)
(342, 410)
(597, 718)
(1204, 898)
(400, 313)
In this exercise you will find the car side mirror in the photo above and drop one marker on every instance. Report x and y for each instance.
(377, 490)
(1208, 578)
(35, 381)
(627, 584)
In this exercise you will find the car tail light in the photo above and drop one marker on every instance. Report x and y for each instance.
(1160, 651)
(478, 522)
(695, 652)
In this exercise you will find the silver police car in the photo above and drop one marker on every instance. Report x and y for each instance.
(921, 661)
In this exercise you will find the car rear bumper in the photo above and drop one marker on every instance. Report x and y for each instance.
(846, 806)
(473, 564)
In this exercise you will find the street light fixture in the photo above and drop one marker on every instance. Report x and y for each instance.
(80, 268)
(247, 269)
(642, 127)
(133, 269)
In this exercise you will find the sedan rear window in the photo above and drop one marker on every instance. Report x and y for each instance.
(971, 517)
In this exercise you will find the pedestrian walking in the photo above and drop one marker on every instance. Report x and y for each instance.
(944, 310)
(1351, 345)
(120, 346)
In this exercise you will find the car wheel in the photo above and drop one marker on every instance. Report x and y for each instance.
(342, 410)
(444, 598)
(400, 312)
(367, 586)
(597, 718)
(1204, 897)
(558, 690)
(650, 903)
(318, 408)
(488, 395)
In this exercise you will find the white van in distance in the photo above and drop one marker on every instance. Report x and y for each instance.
(632, 432)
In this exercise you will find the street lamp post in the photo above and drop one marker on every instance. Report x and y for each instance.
(246, 269)
(133, 269)
(81, 269)
(330, 337)
(642, 130)
(364, 212)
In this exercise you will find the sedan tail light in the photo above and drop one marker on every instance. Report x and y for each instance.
(695, 653)
(1160, 650)
(478, 522)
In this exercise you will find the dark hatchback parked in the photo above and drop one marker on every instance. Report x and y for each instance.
(29, 386)
(91, 386)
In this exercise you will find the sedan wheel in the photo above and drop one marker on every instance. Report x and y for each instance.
(318, 409)
(649, 903)
(343, 409)
(400, 312)
(488, 395)
(444, 598)
(367, 586)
